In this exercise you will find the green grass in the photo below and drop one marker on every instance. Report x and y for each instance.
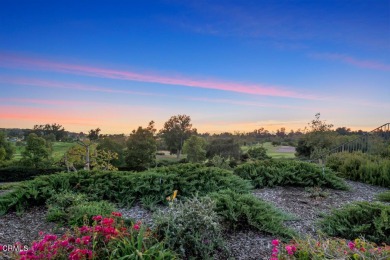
(272, 151)
(59, 149)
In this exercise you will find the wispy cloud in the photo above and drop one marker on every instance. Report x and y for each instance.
(367, 64)
(14, 61)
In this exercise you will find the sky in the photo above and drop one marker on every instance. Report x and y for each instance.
(229, 65)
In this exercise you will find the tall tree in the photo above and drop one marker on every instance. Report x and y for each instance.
(224, 147)
(94, 134)
(55, 129)
(176, 130)
(36, 153)
(6, 149)
(141, 148)
(195, 148)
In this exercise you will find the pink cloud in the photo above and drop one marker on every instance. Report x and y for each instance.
(367, 64)
(8, 60)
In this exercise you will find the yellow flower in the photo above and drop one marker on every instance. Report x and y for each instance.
(174, 194)
(169, 198)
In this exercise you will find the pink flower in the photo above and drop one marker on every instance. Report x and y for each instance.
(136, 226)
(116, 214)
(351, 245)
(275, 242)
(97, 218)
(107, 221)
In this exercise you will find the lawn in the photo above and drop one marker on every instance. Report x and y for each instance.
(59, 149)
(276, 152)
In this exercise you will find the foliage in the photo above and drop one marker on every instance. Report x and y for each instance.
(176, 130)
(366, 219)
(102, 160)
(125, 187)
(384, 196)
(220, 162)
(191, 228)
(141, 148)
(194, 147)
(224, 147)
(107, 238)
(318, 140)
(270, 173)
(84, 211)
(6, 149)
(36, 153)
(361, 167)
(310, 248)
(52, 132)
(110, 144)
(19, 173)
(93, 134)
(258, 153)
(238, 210)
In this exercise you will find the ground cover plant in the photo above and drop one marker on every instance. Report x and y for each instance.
(106, 238)
(357, 166)
(270, 173)
(310, 248)
(360, 219)
(240, 210)
(384, 196)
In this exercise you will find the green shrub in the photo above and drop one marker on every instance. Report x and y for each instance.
(83, 212)
(269, 173)
(238, 210)
(17, 173)
(124, 188)
(361, 167)
(321, 248)
(384, 196)
(191, 228)
(258, 153)
(366, 219)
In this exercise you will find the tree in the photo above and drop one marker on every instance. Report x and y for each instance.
(317, 140)
(55, 129)
(6, 149)
(176, 130)
(141, 148)
(258, 153)
(36, 153)
(110, 144)
(94, 134)
(224, 147)
(195, 148)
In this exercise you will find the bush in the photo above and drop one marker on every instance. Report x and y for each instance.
(17, 173)
(328, 248)
(108, 238)
(366, 219)
(384, 196)
(191, 228)
(239, 210)
(258, 153)
(82, 213)
(270, 173)
(361, 167)
(125, 188)
(59, 204)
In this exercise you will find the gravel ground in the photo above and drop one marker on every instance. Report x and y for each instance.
(243, 244)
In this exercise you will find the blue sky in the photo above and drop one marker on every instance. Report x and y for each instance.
(230, 65)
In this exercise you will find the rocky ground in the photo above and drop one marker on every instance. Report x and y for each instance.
(304, 205)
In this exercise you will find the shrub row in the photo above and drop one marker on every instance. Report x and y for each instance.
(17, 173)
(367, 219)
(361, 167)
(124, 187)
(269, 173)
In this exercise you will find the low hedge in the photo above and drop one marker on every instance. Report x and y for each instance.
(17, 173)
(270, 173)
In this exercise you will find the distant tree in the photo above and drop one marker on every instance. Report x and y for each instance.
(317, 140)
(6, 149)
(141, 148)
(343, 131)
(94, 134)
(223, 147)
(55, 129)
(176, 130)
(36, 153)
(195, 148)
(258, 153)
(111, 144)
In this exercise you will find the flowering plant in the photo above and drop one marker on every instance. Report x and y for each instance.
(329, 248)
(107, 238)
